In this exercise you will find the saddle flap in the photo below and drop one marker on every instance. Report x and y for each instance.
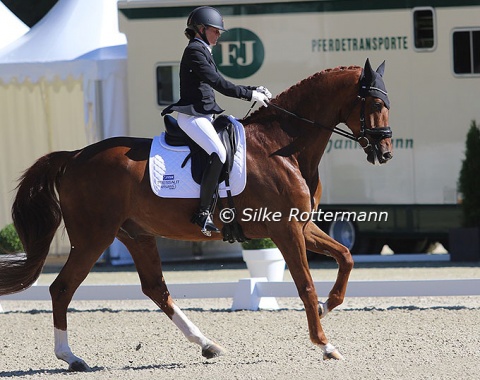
(174, 135)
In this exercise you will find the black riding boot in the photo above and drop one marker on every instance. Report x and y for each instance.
(207, 189)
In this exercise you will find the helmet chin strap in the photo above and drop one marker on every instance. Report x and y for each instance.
(202, 34)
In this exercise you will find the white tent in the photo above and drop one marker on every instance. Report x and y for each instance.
(11, 27)
(62, 85)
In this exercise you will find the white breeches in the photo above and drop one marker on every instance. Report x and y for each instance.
(201, 130)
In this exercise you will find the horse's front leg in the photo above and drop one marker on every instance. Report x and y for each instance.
(318, 241)
(291, 242)
(147, 261)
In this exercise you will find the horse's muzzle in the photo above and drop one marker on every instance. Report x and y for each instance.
(377, 144)
(378, 152)
(387, 156)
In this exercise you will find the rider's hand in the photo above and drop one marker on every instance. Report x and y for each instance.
(265, 91)
(260, 97)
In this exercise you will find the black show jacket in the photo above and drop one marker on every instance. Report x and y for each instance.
(199, 76)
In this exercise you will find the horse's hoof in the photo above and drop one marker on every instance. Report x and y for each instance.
(336, 355)
(322, 309)
(78, 366)
(212, 351)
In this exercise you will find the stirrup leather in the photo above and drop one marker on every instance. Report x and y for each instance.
(204, 220)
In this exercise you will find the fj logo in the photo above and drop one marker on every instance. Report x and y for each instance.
(239, 53)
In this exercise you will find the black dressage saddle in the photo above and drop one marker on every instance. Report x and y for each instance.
(175, 136)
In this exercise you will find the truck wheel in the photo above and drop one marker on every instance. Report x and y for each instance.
(343, 231)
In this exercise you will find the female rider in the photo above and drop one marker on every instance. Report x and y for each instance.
(198, 78)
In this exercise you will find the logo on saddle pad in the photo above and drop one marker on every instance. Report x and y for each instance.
(169, 182)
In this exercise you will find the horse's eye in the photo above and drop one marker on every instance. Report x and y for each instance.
(377, 106)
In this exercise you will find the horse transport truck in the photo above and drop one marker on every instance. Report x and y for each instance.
(432, 54)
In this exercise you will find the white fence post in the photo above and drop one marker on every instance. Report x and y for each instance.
(246, 296)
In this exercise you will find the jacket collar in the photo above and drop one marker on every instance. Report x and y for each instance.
(203, 42)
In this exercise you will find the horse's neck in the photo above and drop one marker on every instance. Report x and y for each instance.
(321, 98)
(318, 109)
(271, 136)
(309, 159)
(324, 99)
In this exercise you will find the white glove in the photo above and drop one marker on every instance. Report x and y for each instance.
(265, 91)
(260, 97)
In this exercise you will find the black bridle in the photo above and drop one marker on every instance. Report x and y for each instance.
(376, 134)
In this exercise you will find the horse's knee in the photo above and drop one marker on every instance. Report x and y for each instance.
(345, 259)
(349, 261)
(307, 293)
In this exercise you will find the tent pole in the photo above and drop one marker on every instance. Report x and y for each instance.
(99, 110)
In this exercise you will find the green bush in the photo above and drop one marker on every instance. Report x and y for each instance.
(9, 240)
(469, 181)
(258, 244)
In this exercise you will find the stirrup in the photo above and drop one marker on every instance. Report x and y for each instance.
(204, 220)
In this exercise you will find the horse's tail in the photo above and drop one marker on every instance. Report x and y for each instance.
(36, 215)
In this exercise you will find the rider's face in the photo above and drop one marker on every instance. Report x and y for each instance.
(213, 34)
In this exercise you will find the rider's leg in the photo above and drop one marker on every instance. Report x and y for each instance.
(207, 189)
(201, 130)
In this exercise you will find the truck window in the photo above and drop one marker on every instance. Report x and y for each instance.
(466, 51)
(167, 84)
(424, 28)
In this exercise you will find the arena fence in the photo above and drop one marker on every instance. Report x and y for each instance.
(258, 293)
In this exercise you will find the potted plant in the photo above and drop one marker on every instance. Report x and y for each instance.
(9, 240)
(465, 242)
(263, 259)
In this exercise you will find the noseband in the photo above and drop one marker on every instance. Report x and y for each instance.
(376, 134)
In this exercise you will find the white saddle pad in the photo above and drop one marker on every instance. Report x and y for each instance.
(169, 180)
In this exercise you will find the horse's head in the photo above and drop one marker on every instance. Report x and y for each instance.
(371, 128)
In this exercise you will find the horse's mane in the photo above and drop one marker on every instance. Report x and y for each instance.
(285, 98)
(317, 76)
(288, 99)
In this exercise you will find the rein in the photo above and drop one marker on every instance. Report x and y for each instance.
(336, 130)
(375, 133)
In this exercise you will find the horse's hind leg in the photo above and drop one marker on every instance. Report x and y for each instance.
(80, 261)
(147, 261)
(318, 241)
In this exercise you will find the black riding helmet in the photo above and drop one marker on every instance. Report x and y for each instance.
(206, 16)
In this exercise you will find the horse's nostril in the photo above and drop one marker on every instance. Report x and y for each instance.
(387, 155)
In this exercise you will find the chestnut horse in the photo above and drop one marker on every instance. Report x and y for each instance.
(103, 191)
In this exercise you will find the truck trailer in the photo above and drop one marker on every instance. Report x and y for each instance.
(432, 54)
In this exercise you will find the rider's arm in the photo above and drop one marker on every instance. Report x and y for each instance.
(204, 67)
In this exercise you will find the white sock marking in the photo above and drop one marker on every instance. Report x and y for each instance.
(62, 349)
(191, 332)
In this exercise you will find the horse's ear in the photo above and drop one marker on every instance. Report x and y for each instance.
(381, 69)
(367, 71)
